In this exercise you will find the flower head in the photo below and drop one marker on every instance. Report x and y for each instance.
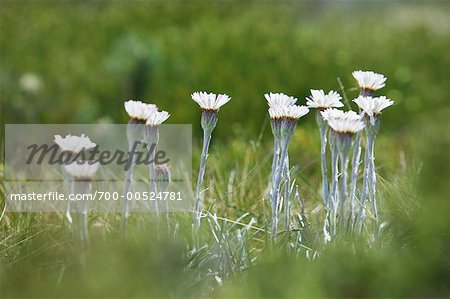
(293, 112)
(321, 100)
(139, 110)
(346, 125)
(369, 81)
(210, 101)
(279, 99)
(157, 118)
(284, 120)
(73, 143)
(336, 113)
(373, 106)
(82, 170)
(344, 122)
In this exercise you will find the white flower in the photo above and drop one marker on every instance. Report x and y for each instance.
(373, 106)
(73, 143)
(85, 170)
(321, 100)
(345, 125)
(210, 101)
(343, 121)
(139, 110)
(279, 99)
(368, 80)
(336, 113)
(157, 118)
(293, 112)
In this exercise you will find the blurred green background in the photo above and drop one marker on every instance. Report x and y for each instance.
(78, 61)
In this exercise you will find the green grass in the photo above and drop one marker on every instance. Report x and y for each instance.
(40, 255)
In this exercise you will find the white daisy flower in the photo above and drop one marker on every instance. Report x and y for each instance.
(279, 99)
(157, 118)
(293, 112)
(345, 125)
(73, 143)
(139, 110)
(332, 113)
(369, 81)
(210, 101)
(319, 99)
(373, 106)
(86, 170)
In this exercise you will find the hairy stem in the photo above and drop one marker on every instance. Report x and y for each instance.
(70, 190)
(127, 188)
(276, 156)
(323, 128)
(366, 178)
(152, 173)
(68, 184)
(372, 176)
(355, 170)
(343, 186)
(334, 182)
(201, 173)
(287, 195)
(83, 187)
(275, 198)
(84, 223)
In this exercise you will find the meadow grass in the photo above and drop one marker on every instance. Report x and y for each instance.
(40, 256)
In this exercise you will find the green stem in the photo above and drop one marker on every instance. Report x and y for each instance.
(206, 142)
